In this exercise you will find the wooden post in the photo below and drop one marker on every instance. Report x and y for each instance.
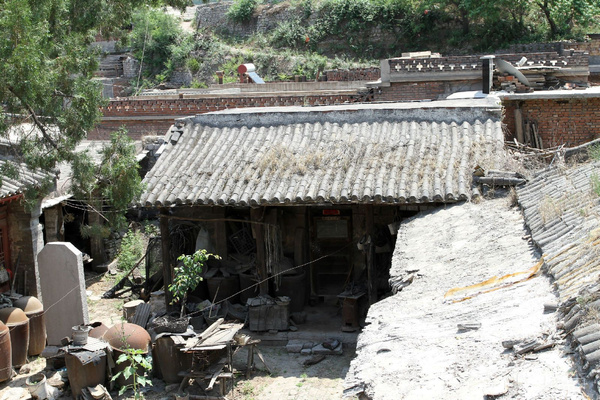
(257, 215)
(220, 229)
(519, 124)
(165, 239)
(370, 256)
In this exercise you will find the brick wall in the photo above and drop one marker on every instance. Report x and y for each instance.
(356, 74)
(407, 91)
(153, 116)
(560, 121)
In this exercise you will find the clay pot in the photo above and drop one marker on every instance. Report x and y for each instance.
(98, 330)
(125, 336)
(5, 353)
(34, 310)
(18, 325)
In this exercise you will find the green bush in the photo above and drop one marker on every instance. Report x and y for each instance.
(242, 10)
(131, 250)
(193, 65)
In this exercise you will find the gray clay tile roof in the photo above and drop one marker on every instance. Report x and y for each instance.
(561, 211)
(325, 155)
(27, 178)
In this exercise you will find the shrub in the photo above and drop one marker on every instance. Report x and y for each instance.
(242, 10)
(131, 250)
(193, 65)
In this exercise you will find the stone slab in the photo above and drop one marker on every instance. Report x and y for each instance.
(62, 283)
(294, 346)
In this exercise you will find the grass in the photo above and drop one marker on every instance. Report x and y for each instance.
(550, 209)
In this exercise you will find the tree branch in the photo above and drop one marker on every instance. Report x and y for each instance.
(37, 122)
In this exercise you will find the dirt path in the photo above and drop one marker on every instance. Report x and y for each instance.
(412, 348)
(289, 379)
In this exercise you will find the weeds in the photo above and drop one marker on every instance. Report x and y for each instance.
(137, 369)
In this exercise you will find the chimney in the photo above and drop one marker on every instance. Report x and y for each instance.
(488, 73)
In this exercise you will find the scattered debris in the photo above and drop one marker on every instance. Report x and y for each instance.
(313, 360)
(468, 326)
(400, 282)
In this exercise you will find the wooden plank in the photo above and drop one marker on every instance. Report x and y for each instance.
(258, 230)
(519, 125)
(165, 239)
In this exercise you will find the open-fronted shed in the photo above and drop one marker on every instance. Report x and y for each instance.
(321, 186)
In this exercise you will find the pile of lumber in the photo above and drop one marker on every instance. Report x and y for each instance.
(215, 337)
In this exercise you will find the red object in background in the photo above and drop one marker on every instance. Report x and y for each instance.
(306, 40)
(331, 212)
(426, 12)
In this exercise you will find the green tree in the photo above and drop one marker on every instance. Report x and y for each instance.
(46, 71)
(158, 40)
(113, 182)
(565, 16)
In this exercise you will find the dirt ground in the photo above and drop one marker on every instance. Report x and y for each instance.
(288, 378)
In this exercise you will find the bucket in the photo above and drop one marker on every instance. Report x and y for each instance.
(80, 334)
(169, 360)
(36, 384)
(223, 287)
(247, 288)
(294, 287)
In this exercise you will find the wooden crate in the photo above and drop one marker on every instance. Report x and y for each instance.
(269, 317)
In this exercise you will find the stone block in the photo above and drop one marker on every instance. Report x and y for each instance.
(306, 352)
(319, 349)
(294, 346)
(63, 289)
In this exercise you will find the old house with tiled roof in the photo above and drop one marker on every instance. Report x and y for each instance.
(304, 183)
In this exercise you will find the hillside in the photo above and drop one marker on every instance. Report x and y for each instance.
(304, 37)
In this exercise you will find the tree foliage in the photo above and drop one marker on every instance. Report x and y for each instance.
(113, 181)
(158, 40)
(46, 71)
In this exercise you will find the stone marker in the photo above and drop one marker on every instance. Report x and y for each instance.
(63, 289)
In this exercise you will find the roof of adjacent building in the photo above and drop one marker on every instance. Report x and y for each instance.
(376, 153)
(27, 178)
(560, 206)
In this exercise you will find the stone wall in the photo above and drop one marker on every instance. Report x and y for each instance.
(568, 121)
(213, 16)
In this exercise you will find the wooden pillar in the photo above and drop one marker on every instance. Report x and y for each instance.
(165, 239)
(258, 230)
(370, 256)
(220, 229)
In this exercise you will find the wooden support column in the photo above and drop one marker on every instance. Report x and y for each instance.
(258, 230)
(165, 239)
(519, 124)
(220, 229)
(370, 256)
